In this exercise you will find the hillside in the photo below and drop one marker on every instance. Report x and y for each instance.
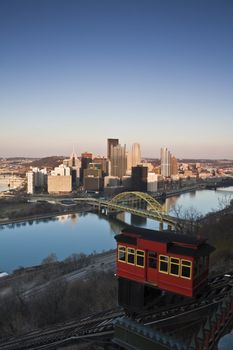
(47, 162)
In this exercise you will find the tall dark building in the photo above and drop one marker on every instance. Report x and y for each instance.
(111, 143)
(86, 159)
(118, 161)
(92, 178)
(139, 178)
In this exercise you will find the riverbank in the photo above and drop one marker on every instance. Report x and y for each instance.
(184, 190)
(44, 216)
(207, 185)
(13, 211)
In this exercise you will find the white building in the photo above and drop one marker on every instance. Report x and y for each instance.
(61, 170)
(30, 182)
(40, 176)
(73, 162)
(165, 162)
(152, 182)
(36, 179)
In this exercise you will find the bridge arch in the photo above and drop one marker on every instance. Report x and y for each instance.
(153, 204)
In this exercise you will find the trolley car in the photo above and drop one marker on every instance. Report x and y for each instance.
(161, 260)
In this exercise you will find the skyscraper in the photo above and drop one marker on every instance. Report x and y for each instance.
(73, 161)
(139, 178)
(136, 154)
(165, 162)
(86, 158)
(118, 161)
(174, 166)
(111, 143)
(75, 164)
(129, 162)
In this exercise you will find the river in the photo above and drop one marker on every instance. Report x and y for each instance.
(28, 243)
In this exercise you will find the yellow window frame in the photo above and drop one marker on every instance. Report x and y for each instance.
(161, 260)
(130, 254)
(174, 263)
(140, 253)
(186, 263)
(119, 251)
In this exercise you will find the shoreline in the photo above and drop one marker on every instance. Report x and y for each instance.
(7, 221)
(42, 216)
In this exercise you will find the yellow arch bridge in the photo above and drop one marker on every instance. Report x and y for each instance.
(137, 203)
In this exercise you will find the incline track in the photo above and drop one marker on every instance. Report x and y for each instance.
(101, 325)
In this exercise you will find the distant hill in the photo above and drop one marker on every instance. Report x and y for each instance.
(47, 162)
(18, 158)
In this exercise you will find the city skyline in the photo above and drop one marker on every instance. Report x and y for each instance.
(155, 72)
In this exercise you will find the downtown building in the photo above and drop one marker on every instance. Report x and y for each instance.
(174, 166)
(74, 164)
(93, 177)
(105, 164)
(86, 159)
(136, 154)
(118, 161)
(60, 180)
(165, 157)
(139, 178)
(110, 144)
(36, 180)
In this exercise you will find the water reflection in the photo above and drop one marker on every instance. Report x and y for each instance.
(115, 226)
(138, 220)
(28, 243)
(121, 216)
(203, 201)
(169, 203)
(73, 217)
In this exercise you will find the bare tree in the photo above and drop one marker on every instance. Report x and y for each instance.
(224, 202)
(188, 219)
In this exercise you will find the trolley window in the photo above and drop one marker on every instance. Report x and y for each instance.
(130, 255)
(186, 268)
(140, 258)
(174, 266)
(121, 253)
(152, 259)
(163, 263)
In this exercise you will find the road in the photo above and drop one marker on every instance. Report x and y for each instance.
(103, 263)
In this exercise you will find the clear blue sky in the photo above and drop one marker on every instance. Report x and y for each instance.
(157, 72)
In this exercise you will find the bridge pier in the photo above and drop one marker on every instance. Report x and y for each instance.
(161, 226)
(104, 211)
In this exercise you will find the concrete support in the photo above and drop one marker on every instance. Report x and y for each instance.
(161, 226)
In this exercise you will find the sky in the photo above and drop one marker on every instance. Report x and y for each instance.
(156, 72)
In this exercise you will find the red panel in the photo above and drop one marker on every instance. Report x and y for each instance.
(151, 245)
(131, 272)
(152, 275)
(176, 289)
